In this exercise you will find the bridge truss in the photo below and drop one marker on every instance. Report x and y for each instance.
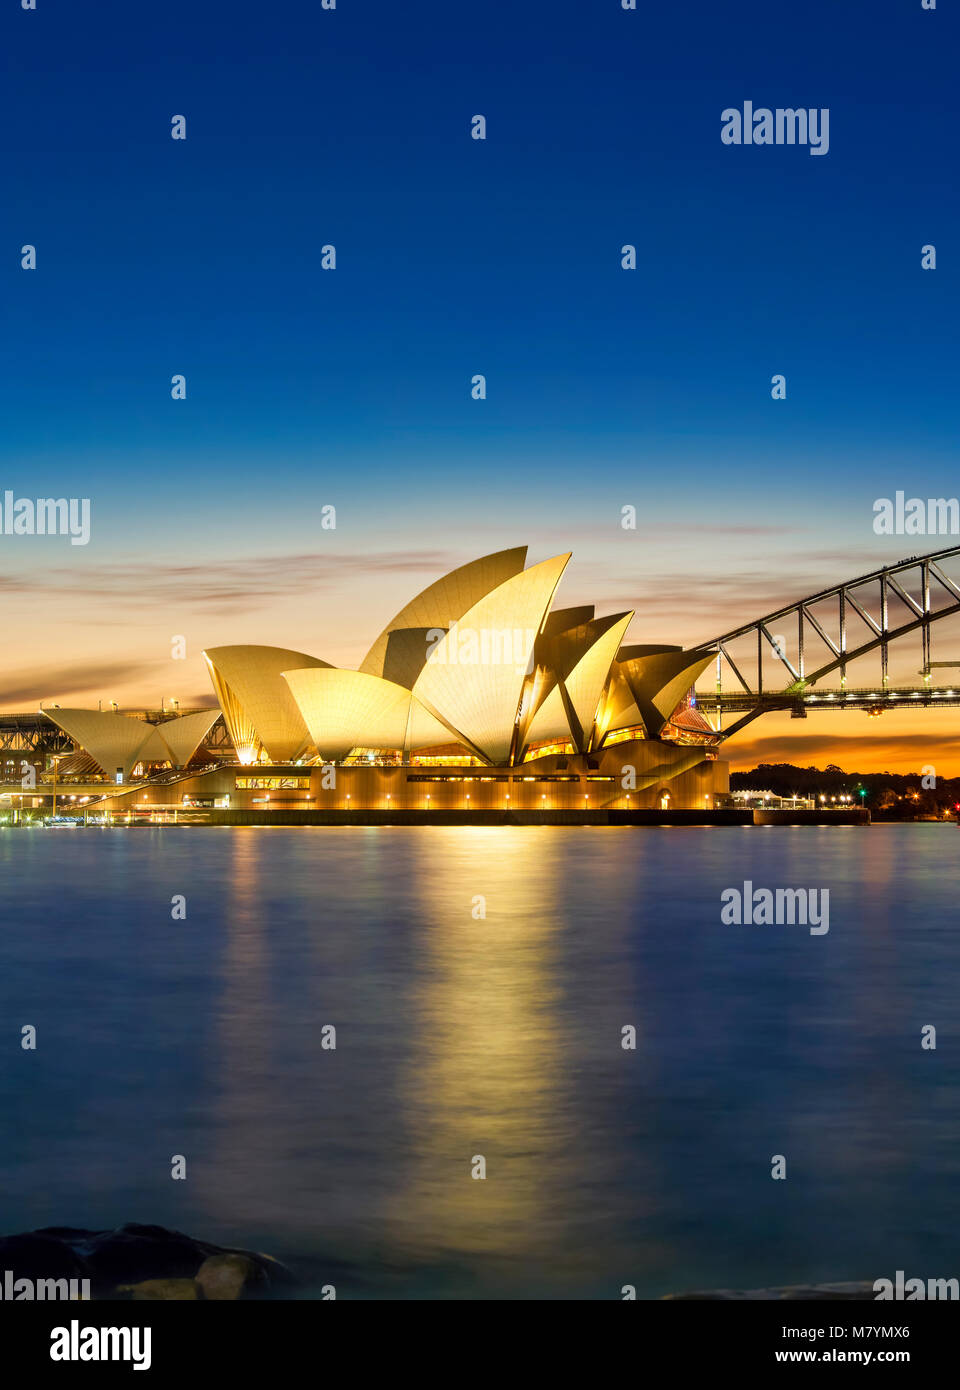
(843, 623)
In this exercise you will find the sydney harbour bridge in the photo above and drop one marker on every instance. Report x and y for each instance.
(865, 644)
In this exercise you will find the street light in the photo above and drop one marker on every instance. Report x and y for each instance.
(55, 759)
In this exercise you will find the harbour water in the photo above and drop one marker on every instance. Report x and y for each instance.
(479, 981)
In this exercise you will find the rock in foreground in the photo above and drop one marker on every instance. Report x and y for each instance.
(144, 1263)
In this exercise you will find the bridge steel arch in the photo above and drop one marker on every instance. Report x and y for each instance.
(920, 616)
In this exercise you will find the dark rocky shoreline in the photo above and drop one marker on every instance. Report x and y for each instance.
(145, 1263)
(151, 1263)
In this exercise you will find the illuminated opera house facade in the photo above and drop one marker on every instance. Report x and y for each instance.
(480, 695)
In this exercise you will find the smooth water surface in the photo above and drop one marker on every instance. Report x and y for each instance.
(459, 1035)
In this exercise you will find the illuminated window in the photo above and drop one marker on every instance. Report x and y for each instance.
(548, 750)
(414, 777)
(271, 784)
(444, 760)
(635, 731)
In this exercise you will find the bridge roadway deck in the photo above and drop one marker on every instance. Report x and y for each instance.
(898, 697)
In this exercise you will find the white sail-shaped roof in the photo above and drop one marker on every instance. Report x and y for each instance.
(473, 679)
(438, 606)
(112, 740)
(550, 721)
(351, 709)
(660, 680)
(184, 735)
(257, 705)
(569, 708)
(585, 683)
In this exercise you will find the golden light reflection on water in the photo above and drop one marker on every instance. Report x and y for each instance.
(484, 1075)
(237, 1166)
(495, 1066)
(458, 1037)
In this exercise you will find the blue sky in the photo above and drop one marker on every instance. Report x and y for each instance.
(457, 256)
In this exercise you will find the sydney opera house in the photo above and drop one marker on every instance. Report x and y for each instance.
(479, 696)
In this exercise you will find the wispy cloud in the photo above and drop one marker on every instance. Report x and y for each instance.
(48, 683)
(701, 603)
(225, 586)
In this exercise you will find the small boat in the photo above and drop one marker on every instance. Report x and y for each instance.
(62, 823)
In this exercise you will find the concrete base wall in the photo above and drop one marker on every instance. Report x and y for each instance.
(854, 816)
(724, 816)
(440, 817)
(629, 777)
